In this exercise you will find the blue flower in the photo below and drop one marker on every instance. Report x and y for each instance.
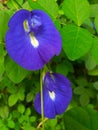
(32, 39)
(57, 94)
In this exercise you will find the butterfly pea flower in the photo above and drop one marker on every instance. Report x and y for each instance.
(57, 94)
(32, 39)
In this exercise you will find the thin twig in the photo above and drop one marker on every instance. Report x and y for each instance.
(41, 123)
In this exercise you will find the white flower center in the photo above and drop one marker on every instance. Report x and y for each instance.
(26, 26)
(33, 40)
(52, 95)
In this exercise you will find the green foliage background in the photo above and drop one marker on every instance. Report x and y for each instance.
(77, 22)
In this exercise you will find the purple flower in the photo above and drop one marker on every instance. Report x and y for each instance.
(32, 39)
(57, 94)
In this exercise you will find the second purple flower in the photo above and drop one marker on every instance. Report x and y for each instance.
(57, 94)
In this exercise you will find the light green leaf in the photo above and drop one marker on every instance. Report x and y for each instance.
(93, 72)
(32, 119)
(30, 96)
(94, 10)
(49, 6)
(12, 99)
(14, 71)
(4, 111)
(11, 124)
(94, 50)
(21, 93)
(90, 62)
(81, 119)
(26, 6)
(76, 10)
(21, 108)
(3, 24)
(2, 69)
(76, 41)
(2, 54)
(28, 112)
(14, 4)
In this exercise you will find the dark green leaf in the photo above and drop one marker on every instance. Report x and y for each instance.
(84, 99)
(79, 90)
(95, 85)
(64, 68)
(81, 119)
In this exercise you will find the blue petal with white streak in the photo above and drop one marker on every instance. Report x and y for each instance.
(57, 94)
(32, 39)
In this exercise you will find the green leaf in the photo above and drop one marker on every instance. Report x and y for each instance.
(4, 111)
(95, 85)
(30, 96)
(94, 50)
(28, 127)
(14, 71)
(16, 4)
(18, 95)
(81, 81)
(2, 54)
(11, 124)
(2, 69)
(81, 119)
(28, 112)
(96, 22)
(90, 62)
(84, 99)
(76, 10)
(93, 72)
(79, 90)
(64, 68)
(26, 6)
(21, 93)
(76, 41)
(94, 10)
(32, 119)
(3, 24)
(12, 99)
(2, 50)
(21, 108)
(49, 6)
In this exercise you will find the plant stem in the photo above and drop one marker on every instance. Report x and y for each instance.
(42, 103)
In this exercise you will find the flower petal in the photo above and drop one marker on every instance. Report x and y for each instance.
(49, 109)
(61, 86)
(16, 21)
(49, 34)
(22, 52)
(32, 39)
(57, 94)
